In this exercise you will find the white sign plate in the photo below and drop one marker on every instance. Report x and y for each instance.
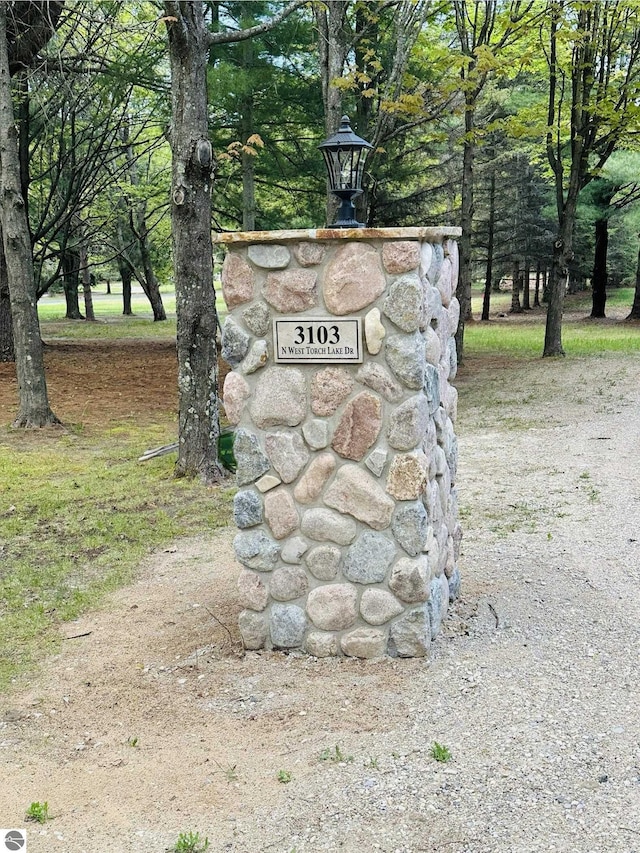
(317, 340)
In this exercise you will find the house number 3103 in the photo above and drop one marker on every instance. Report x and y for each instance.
(317, 335)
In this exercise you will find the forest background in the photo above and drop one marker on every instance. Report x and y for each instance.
(139, 126)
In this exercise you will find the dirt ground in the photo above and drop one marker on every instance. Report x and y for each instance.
(96, 382)
(151, 722)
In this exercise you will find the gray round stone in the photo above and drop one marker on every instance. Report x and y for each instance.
(253, 629)
(257, 357)
(378, 606)
(364, 643)
(251, 461)
(247, 508)
(405, 356)
(257, 318)
(235, 342)
(368, 559)
(432, 387)
(408, 423)
(270, 256)
(436, 262)
(287, 453)
(410, 636)
(255, 550)
(287, 625)
(323, 525)
(321, 644)
(403, 305)
(410, 526)
(324, 561)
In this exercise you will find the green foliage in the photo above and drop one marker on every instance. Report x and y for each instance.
(190, 842)
(38, 812)
(284, 776)
(440, 752)
(335, 756)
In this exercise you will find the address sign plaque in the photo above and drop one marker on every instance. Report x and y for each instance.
(317, 340)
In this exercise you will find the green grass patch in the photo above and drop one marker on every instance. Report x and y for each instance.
(110, 323)
(526, 339)
(77, 514)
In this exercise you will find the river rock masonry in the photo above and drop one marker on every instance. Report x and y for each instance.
(343, 354)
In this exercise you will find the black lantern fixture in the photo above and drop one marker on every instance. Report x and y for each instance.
(344, 155)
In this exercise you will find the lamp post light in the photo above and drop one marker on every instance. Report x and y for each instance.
(344, 156)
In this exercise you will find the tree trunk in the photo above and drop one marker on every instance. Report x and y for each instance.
(85, 277)
(34, 409)
(599, 280)
(526, 290)
(150, 282)
(557, 286)
(466, 220)
(331, 20)
(192, 176)
(126, 276)
(562, 255)
(516, 287)
(486, 301)
(536, 295)
(635, 308)
(7, 352)
(246, 129)
(70, 279)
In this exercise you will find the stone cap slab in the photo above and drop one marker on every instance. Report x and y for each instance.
(432, 235)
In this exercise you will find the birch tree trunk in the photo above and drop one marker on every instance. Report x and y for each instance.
(34, 409)
(192, 176)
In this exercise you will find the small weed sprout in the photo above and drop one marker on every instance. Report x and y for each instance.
(132, 741)
(372, 764)
(284, 776)
(335, 756)
(38, 812)
(440, 752)
(190, 842)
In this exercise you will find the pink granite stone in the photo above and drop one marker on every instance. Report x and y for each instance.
(401, 256)
(291, 291)
(353, 279)
(359, 426)
(314, 478)
(280, 513)
(252, 592)
(235, 394)
(237, 281)
(329, 387)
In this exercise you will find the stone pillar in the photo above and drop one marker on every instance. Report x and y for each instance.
(347, 511)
